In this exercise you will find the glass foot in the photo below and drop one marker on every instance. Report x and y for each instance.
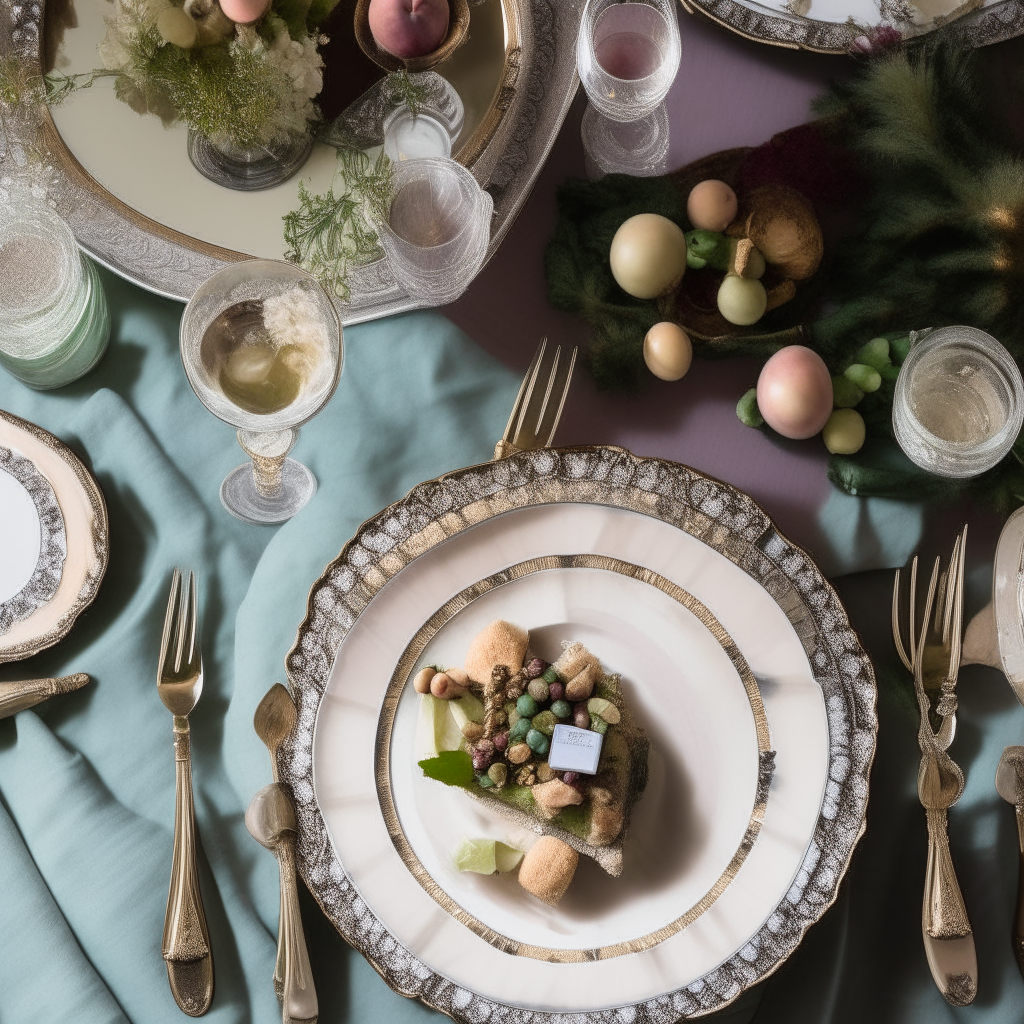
(637, 147)
(248, 170)
(238, 494)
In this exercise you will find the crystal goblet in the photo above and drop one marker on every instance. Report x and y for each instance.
(627, 55)
(262, 347)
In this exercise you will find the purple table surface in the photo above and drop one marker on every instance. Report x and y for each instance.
(729, 92)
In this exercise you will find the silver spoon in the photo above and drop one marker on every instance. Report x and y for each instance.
(1010, 786)
(270, 820)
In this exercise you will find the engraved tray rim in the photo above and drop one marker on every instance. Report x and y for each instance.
(717, 513)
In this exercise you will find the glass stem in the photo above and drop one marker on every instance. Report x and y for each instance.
(268, 450)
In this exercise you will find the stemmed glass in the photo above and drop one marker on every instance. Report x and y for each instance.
(262, 347)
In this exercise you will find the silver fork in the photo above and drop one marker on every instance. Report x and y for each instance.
(539, 403)
(947, 627)
(186, 940)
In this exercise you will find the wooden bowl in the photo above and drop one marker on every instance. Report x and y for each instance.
(458, 31)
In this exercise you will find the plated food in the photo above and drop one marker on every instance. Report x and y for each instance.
(736, 659)
(552, 747)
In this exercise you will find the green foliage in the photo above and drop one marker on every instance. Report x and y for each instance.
(328, 234)
(319, 11)
(452, 767)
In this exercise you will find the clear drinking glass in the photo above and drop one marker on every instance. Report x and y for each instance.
(248, 168)
(262, 347)
(637, 147)
(54, 320)
(627, 55)
(437, 228)
(959, 402)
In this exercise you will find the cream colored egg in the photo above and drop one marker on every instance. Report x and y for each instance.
(742, 301)
(711, 205)
(177, 28)
(667, 351)
(648, 255)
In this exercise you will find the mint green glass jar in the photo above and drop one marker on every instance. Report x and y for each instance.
(54, 320)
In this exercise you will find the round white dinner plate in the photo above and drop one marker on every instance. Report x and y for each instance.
(845, 26)
(735, 656)
(53, 538)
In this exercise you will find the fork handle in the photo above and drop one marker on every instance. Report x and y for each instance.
(299, 1002)
(944, 915)
(503, 448)
(1018, 920)
(185, 935)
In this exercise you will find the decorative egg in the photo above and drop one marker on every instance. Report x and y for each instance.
(177, 28)
(742, 300)
(244, 12)
(712, 205)
(648, 255)
(844, 432)
(794, 392)
(667, 351)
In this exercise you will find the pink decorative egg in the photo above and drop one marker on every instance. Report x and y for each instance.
(712, 205)
(244, 12)
(794, 392)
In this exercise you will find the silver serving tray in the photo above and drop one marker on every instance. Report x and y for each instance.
(538, 84)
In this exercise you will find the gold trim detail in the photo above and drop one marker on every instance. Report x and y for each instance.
(99, 534)
(382, 754)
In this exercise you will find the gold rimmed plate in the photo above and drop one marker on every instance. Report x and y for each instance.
(53, 538)
(735, 655)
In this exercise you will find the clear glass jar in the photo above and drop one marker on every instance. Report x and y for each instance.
(959, 401)
(54, 320)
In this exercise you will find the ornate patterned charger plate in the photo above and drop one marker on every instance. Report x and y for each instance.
(837, 26)
(709, 613)
(53, 538)
(135, 203)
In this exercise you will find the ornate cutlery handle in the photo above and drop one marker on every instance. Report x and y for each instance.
(299, 998)
(944, 914)
(17, 696)
(1018, 920)
(185, 935)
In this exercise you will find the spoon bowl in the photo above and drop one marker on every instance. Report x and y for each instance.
(274, 719)
(1010, 775)
(271, 815)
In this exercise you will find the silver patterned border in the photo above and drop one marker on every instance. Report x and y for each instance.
(53, 542)
(982, 27)
(539, 84)
(99, 536)
(714, 513)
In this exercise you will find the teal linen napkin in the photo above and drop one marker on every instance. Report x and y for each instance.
(87, 780)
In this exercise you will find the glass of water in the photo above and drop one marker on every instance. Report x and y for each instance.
(627, 55)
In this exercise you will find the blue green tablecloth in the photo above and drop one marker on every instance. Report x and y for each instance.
(87, 780)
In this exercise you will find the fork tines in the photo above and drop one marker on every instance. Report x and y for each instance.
(177, 645)
(541, 398)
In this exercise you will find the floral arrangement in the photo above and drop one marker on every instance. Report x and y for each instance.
(247, 84)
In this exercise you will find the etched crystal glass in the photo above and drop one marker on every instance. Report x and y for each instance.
(248, 168)
(54, 320)
(262, 347)
(959, 401)
(639, 147)
(436, 230)
(627, 55)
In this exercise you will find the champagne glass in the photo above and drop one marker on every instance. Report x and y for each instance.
(262, 347)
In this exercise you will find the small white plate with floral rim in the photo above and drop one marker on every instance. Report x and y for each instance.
(542, 538)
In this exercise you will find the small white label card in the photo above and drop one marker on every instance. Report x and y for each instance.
(575, 750)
